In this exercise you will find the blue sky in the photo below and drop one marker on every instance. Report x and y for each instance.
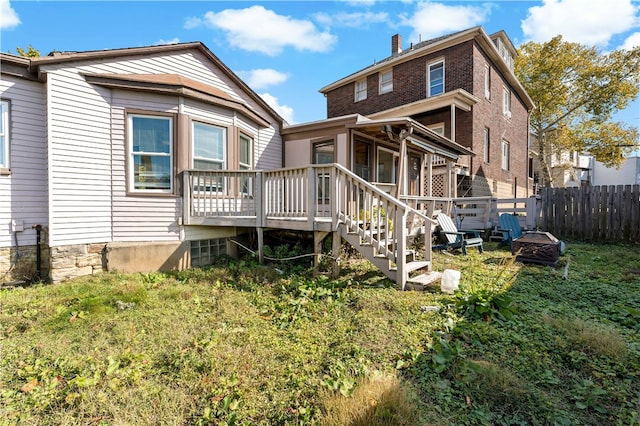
(287, 50)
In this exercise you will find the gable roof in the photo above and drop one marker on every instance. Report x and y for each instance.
(56, 57)
(438, 44)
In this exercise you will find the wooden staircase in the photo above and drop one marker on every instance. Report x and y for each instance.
(380, 227)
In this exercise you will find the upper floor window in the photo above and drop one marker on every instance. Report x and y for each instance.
(505, 155)
(486, 145)
(487, 81)
(245, 160)
(386, 81)
(209, 146)
(4, 134)
(506, 102)
(438, 128)
(150, 153)
(361, 90)
(435, 76)
(504, 52)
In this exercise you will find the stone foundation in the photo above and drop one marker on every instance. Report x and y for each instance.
(77, 260)
(19, 266)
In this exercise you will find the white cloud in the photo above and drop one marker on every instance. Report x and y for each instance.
(193, 22)
(435, 19)
(257, 29)
(361, 2)
(592, 23)
(174, 40)
(353, 20)
(8, 17)
(263, 77)
(632, 41)
(285, 111)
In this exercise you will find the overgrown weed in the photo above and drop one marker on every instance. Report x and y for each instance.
(249, 344)
(378, 400)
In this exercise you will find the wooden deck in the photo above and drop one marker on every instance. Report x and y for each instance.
(331, 199)
(323, 198)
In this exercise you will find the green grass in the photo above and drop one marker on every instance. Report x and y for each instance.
(244, 345)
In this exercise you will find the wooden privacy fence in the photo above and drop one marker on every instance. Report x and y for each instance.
(595, 213)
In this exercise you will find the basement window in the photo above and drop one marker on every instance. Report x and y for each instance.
(205, 252)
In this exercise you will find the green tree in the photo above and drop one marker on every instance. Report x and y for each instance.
(29, 53)
(576, 90)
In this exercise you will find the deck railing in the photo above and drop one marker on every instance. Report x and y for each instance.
(303, 198)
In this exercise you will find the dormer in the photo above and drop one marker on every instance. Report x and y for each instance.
(505, 47)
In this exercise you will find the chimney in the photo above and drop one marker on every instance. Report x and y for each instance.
(396, 44)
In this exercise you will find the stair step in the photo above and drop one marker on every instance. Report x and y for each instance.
(413, 266)
(426, 278)
(416, 264)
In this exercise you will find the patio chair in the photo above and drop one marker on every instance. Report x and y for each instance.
(458, 239)
(510, 228)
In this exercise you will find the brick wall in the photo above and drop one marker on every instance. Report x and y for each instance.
(488, 113)
(409, 83)
(464, 69)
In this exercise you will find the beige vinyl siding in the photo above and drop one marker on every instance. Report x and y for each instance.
(79, 132)
(139, 218)
(23, 193)
(88, 146)
(267, 144)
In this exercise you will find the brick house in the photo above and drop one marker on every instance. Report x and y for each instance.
(462, 86)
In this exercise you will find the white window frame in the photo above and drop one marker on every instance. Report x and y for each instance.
(246, 186)
(223, 161)
(506, 102)
(5, 137)
(386, 81)
(506, 155)
(429, 70)
(487, 145)
(132, 154)
(487, 82)
(360, 90)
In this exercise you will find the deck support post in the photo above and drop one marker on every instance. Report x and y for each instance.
(260, 232)
(318, 237)
(335, 251)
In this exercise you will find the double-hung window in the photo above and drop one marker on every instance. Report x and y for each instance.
(435, 76)
(386, 82)
(361, 90)
(246, 163)
(487, 82)
(151, 153)
(209, 153)
(487, 145)
(506, 102)
(505, 155)
(4, 135)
